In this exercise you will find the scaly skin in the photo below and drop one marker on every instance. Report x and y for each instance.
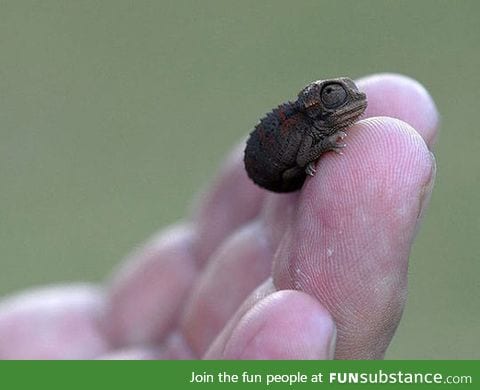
(284, 145)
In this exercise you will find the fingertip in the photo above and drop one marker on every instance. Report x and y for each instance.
(284, 325)
(231, 200)
(404, 98)
(53, 322)
(385, 175)
(145, 293)
(236, 268)
(384, 155)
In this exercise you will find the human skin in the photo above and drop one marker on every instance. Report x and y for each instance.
(316, 274)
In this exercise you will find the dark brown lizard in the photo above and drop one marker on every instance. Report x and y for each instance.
(283, 147)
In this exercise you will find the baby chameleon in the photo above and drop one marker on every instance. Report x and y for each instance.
(283, 147)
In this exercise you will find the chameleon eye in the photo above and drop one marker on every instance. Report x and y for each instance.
(333, 95)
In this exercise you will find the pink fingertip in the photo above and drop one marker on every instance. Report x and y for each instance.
(403, 98)
(231, 201)
(146, 293)
(284, 325)
(239, 265)
(58, 322)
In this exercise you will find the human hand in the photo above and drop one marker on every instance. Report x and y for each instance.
(316, 274)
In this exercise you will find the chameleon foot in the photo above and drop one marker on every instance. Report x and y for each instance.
(310, 169)
(334, 142)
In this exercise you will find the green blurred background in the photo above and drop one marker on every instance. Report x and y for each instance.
(112, 113)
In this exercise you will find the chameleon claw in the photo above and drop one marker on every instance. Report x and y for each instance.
(338, 148)
(310, 169)
(334, 141)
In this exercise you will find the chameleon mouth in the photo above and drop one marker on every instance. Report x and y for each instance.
(348, 117)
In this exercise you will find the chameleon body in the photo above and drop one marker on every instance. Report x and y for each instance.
(283, 147)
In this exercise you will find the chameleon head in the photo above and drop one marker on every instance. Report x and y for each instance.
(333, 104)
